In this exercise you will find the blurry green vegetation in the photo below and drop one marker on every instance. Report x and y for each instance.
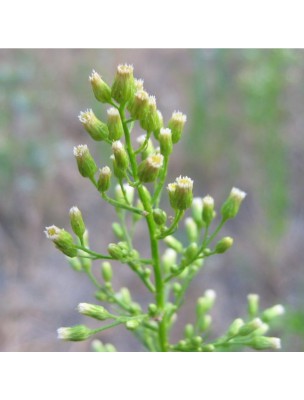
(237, 120)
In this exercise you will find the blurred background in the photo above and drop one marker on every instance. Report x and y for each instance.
(245, 129)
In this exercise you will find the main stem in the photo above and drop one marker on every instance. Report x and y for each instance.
(159, 284)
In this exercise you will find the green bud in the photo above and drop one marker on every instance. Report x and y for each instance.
(205, 303)
(118, 231)
(160, 125)
(132, 324)
(235, 327)
(197, 341)
(138, 106)
(168, 259)
(93, 311)
(180, 193)
(177, 288)
(159, 216)
(149, 150)
(110, 348)
(126, 295)
(253, 304)
(197, 210)
(208, 210)
(191, 229)
(75, 333)
(189, 331)
(165, 141)
(101, 296)
(117, 251)
(175, 244)
(204, 322)
(77, 223)
(104, 179)
(129, 193)
(75, 263)
(123, 86)
(176, 124)
(97, 129)
(150, 120)
(114, 124)
(152, 309)
(118, 173)
(250, 327)
(101, 90)
(85, 162)
(270, 313)
(208, 348)
(106, 270)
(121, 156)
(231, 206)
(223, 245)
(265, 343)
(190, 253)
(149, 168)
(98, 346)
(135, 308)
(62, 239)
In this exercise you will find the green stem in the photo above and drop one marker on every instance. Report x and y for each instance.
(144, 145)
(179, 214)
(93, 253)
(116, 203)
(93, 331)
(159, 284)
(161, 182)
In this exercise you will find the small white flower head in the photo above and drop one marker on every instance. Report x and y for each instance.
(94, 76)
(83, 308)
(117, 146)
(155, 161)
(208, 201)
(125, 69)
(152, 101)
(80, 150)
(105, 170)
(86, 117)
(74, 211)
(139, 84)
(142, 96)
(169, 256)
(276, 343)
(237, 194)
(113, 112)
(141, 139)
(63, 333)
(165, 132)
(210, 294)
(279, 309)
(273, 312)
(171, 187)
(52, 232)
(179, 117)
(184, 182)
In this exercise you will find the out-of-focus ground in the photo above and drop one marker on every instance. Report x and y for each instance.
(245, 129)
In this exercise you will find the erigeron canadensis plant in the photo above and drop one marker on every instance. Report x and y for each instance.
(140, 169)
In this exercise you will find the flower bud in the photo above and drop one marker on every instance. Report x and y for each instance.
(75, 263)
(190, 253)
(253, 304)
(106, 270)
(205, 303)
(132, 324)
(95, 128)
(175, 244)
(165, 141)
(117, 251)
(123, 86)
(150, 120)
(204, 322)
(104, 179)
(85, 162)
(126, 295)
(149, 149)
(189, 331)
(223, 245)
(270, 313)
(176, 124)
(77, 223)
(168, 259)
(110, 348)
(160, 125)
(197, 210)
(114, 124)
(118, 173)
(118, 231)
(98, 346)
(138, 106)
(150, 167)
(152, 310)
(177, 288)
(231, 206)
(75, 333)
(62, 239)
(101, 90)
(129, 193)
(250, 327)
(191, 229)
(235, 327)
(94, 311)
(120, 154)
(208, 210)
(180, 193)
(265, 343)
(159, 216)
